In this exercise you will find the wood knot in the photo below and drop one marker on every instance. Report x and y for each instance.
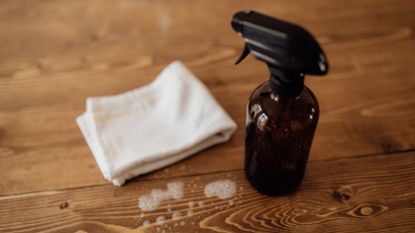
(64, 205)
(342, 195)
(367, 210)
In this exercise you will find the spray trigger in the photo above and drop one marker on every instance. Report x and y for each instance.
(244, 53)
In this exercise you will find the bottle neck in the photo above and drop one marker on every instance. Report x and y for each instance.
(287, 84)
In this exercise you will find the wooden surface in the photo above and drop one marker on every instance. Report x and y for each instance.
(54, 54)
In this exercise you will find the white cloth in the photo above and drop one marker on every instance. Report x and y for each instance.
(153, 126)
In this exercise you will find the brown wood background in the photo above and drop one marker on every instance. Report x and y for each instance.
(54, 54)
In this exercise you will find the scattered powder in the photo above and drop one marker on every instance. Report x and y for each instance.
(160, 219)
(176, 215)
(182, 223)
(189, 212)
(200, 203)
(160, 194)
(191, 204)
(222, 189)
(175, 189)
(231, 202)
(146, 222)
(149, 202)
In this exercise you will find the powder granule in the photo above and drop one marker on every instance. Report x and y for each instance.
(223, 189)
(152, 201)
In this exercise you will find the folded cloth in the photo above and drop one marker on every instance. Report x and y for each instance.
(153, 126)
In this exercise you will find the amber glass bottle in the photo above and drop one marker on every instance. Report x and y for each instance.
(279, 133)
(282, 113)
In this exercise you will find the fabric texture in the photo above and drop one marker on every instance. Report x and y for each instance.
(153, 126)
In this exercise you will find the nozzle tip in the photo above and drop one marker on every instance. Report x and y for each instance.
(238, 18)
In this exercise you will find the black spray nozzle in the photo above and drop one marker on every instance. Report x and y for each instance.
(285, 47)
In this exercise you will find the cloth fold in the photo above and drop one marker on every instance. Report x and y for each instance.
(153, 126)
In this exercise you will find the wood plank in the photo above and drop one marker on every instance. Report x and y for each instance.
(367, 101)
(33, 152)
(365, 194)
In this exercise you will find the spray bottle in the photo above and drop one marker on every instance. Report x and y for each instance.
(282, 113)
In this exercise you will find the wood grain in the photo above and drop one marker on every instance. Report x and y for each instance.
(375, 194)
(56, 53)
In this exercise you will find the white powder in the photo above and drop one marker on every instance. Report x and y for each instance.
(146, 222)
(176, 215)
(160, 219)
(222, 189)
(200, 203)
(175, 189)
(182, 223)
(191, 204)
(231, 202)
(160, 194)
(149, 202)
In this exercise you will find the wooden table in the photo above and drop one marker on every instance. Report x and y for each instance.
(54, 54)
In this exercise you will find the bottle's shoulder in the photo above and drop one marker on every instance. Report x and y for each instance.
(267, 105)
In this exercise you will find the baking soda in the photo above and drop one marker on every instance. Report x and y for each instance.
(231, 202)
(190, 204)
(176, 215)
(160, 219)
(152, 201)
(200, 203)
(175, 189)
(223, 189)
